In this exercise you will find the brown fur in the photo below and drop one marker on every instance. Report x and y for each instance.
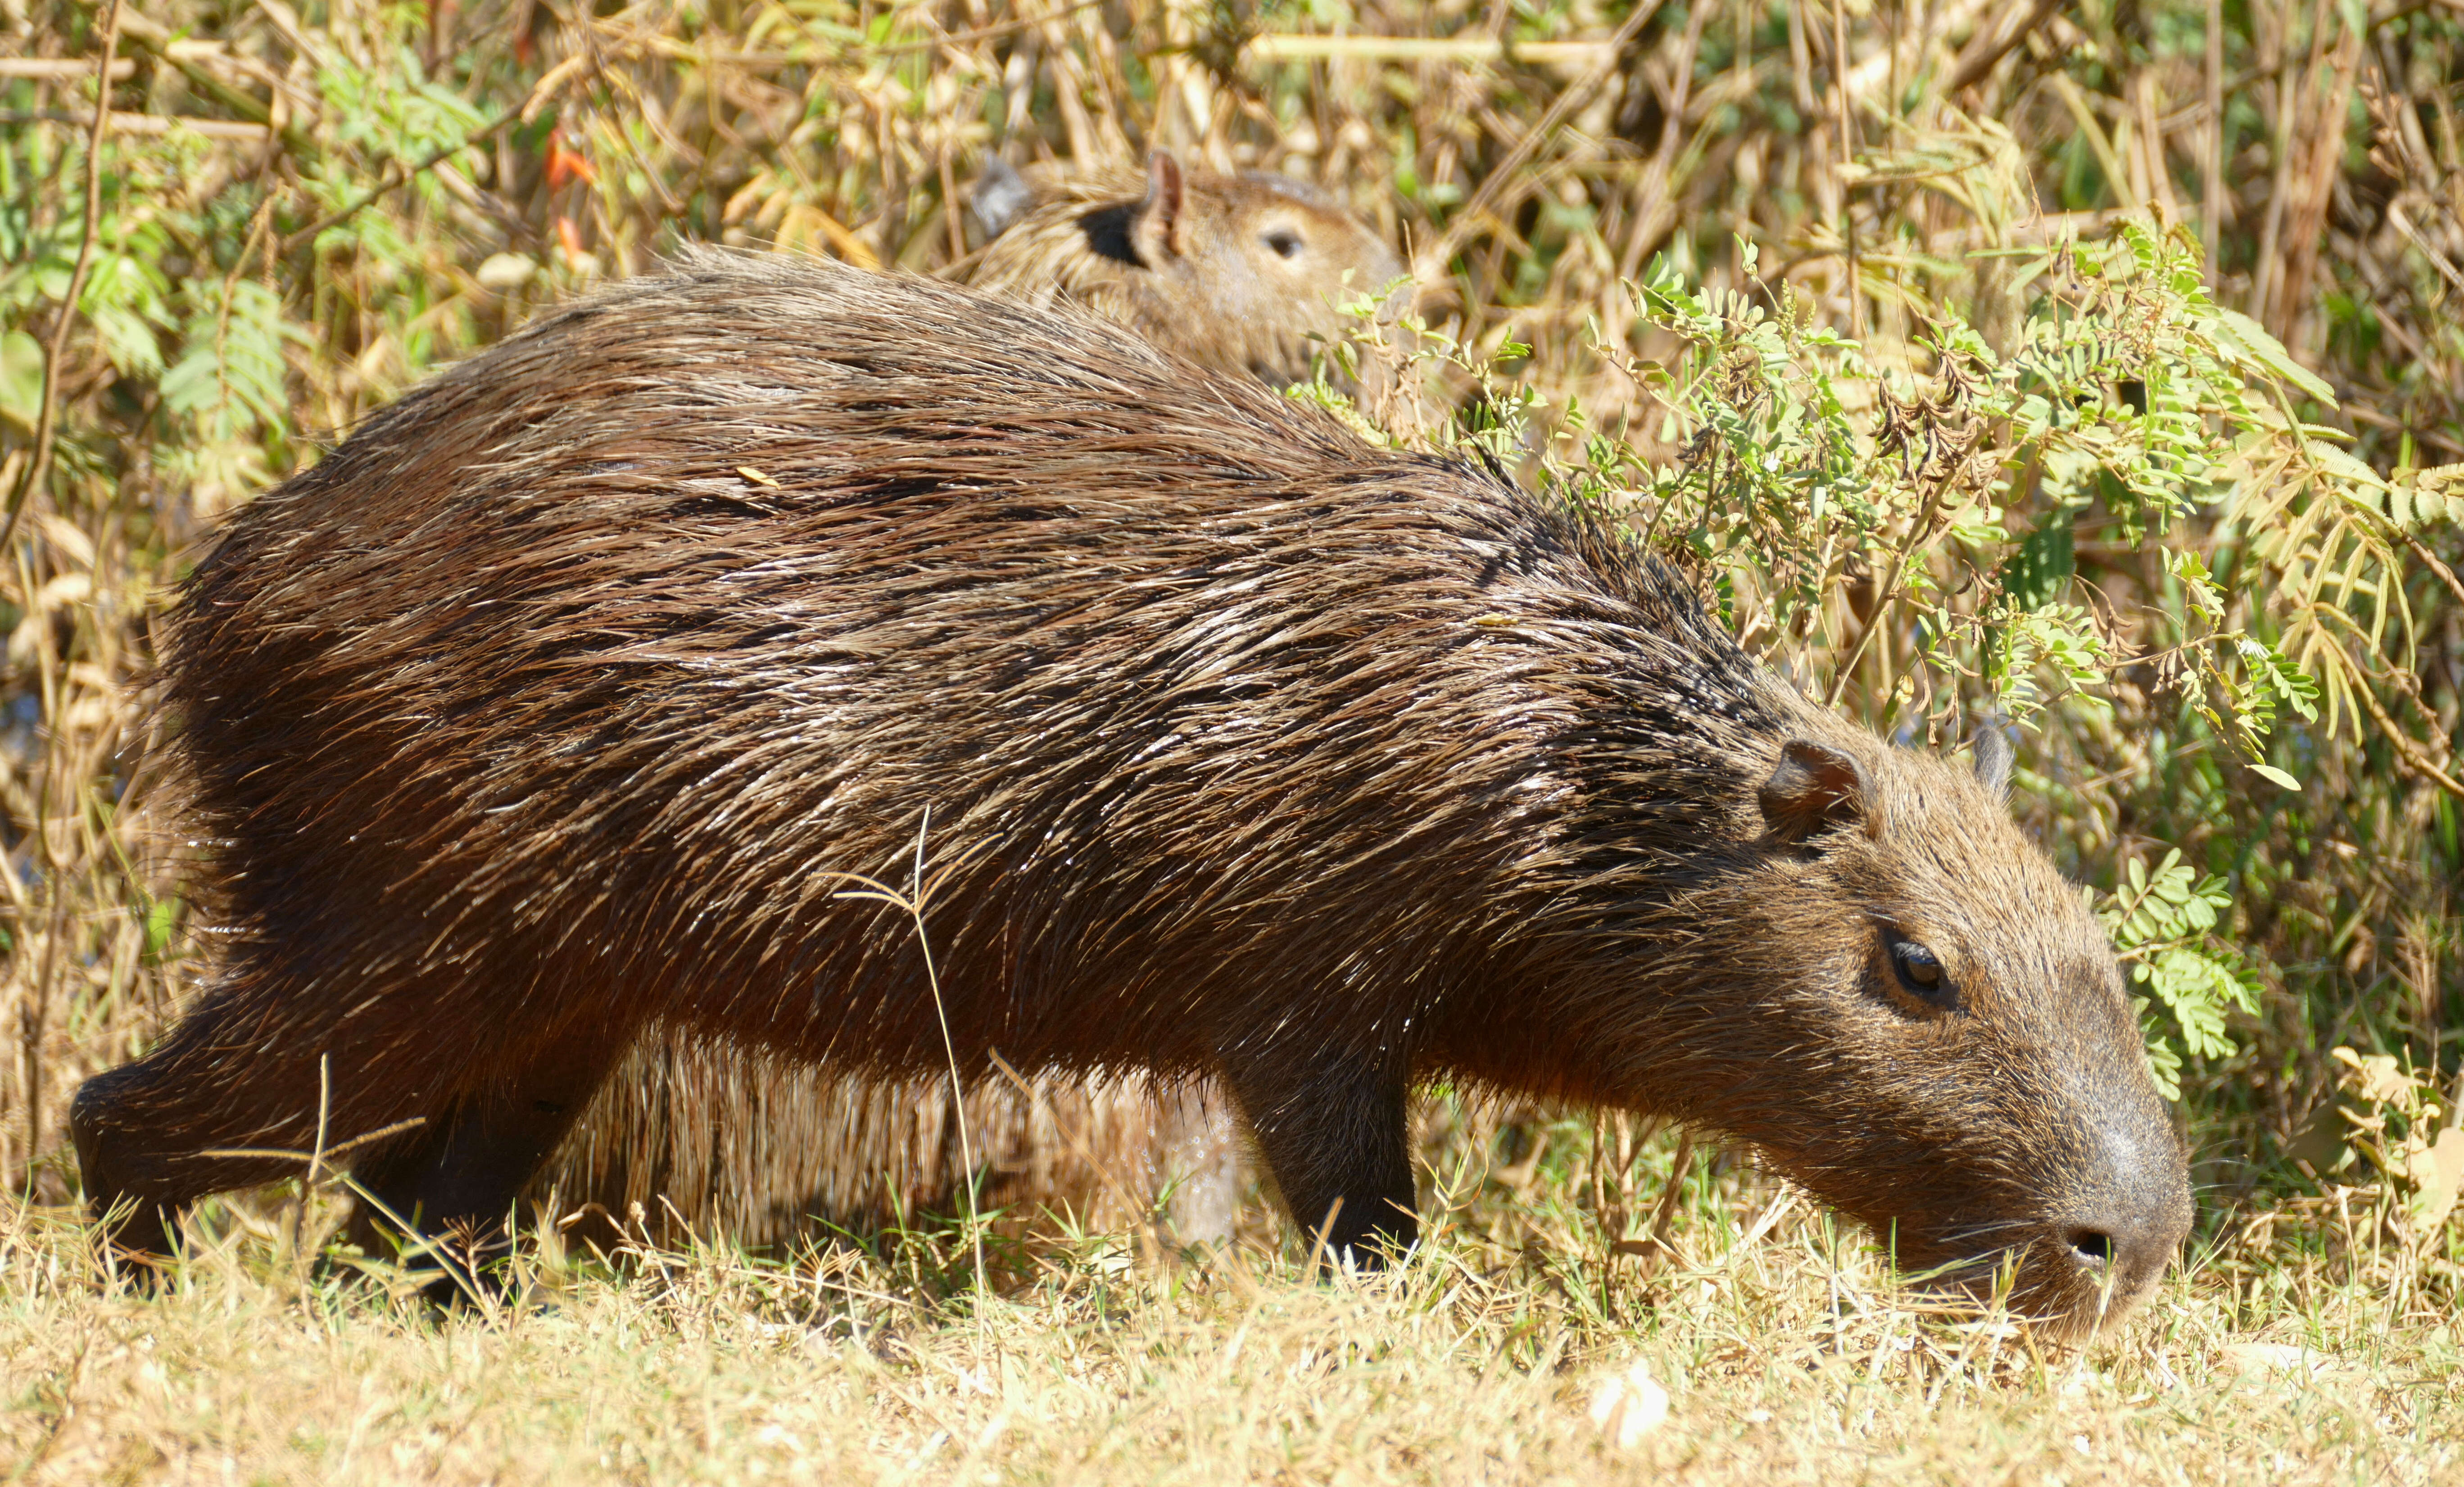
(682, 1131)
(529, 718)
(692, 1135)
(1236, 273)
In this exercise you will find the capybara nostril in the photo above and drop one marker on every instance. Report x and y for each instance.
(2121, 1253)
(2090, 1247)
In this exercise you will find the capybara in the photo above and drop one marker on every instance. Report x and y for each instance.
(562, 698)
(1234, 271)
(696, 1137)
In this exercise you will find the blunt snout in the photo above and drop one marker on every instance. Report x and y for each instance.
(2128, 1251)
(2126, 1225)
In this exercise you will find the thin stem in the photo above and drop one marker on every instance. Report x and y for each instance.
(2404, 746)
(1885, 595)
(949, 1051)
(1847, 157)
(1509, 171)
(47, 422)
(317, 1152)
(2212, 234)
(2421, 550)
(397, 174)
(1679, 1167)
(912, 903)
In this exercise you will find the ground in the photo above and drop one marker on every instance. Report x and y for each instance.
(1784, 1348)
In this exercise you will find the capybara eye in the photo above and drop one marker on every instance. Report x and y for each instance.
(1285, 242)
(1919, 971)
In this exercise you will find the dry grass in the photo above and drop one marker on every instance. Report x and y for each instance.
(1787, 1353)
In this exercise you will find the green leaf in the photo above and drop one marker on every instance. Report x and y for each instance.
(2164, 1059)
(2274, 776)
(2041, 571)
(2337, 460)
(159, 920)
(21, 378)
(2251, 337)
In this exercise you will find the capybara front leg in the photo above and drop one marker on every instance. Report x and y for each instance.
(1334, 1134)
(457, 1184)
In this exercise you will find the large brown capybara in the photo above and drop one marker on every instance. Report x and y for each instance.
(552, 704)
(1243, 273)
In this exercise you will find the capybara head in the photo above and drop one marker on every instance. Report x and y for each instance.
(557, 704)
(1234, 271)
(1915, 1017)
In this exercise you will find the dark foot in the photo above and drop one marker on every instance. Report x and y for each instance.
(1334, 1134)
(445, 1198)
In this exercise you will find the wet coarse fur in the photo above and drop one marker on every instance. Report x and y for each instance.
(1233, 272)
(553, 705)
(1242, 273)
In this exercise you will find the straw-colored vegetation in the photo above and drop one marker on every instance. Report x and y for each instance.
(1784, 282)
(1783, 1352)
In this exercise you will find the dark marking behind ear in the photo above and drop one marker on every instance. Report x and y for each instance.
(1815, 787)
(1109, 229)
(1994, 757)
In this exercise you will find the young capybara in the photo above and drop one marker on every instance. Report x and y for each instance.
(1235, 272)
(1232, 272)
(560, 701)
(697, 1137)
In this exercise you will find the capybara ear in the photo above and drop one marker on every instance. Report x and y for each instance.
(1156, 233)
(1993, 759)
(1000, 198)
(1817, 787)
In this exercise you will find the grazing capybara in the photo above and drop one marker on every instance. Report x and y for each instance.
(561, 699)
(1235, 272)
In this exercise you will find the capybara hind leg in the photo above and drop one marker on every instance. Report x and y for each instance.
(457, 1183)
(237, 1095)
(124, 1174)
(1334, 1134)
(155, 1135)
